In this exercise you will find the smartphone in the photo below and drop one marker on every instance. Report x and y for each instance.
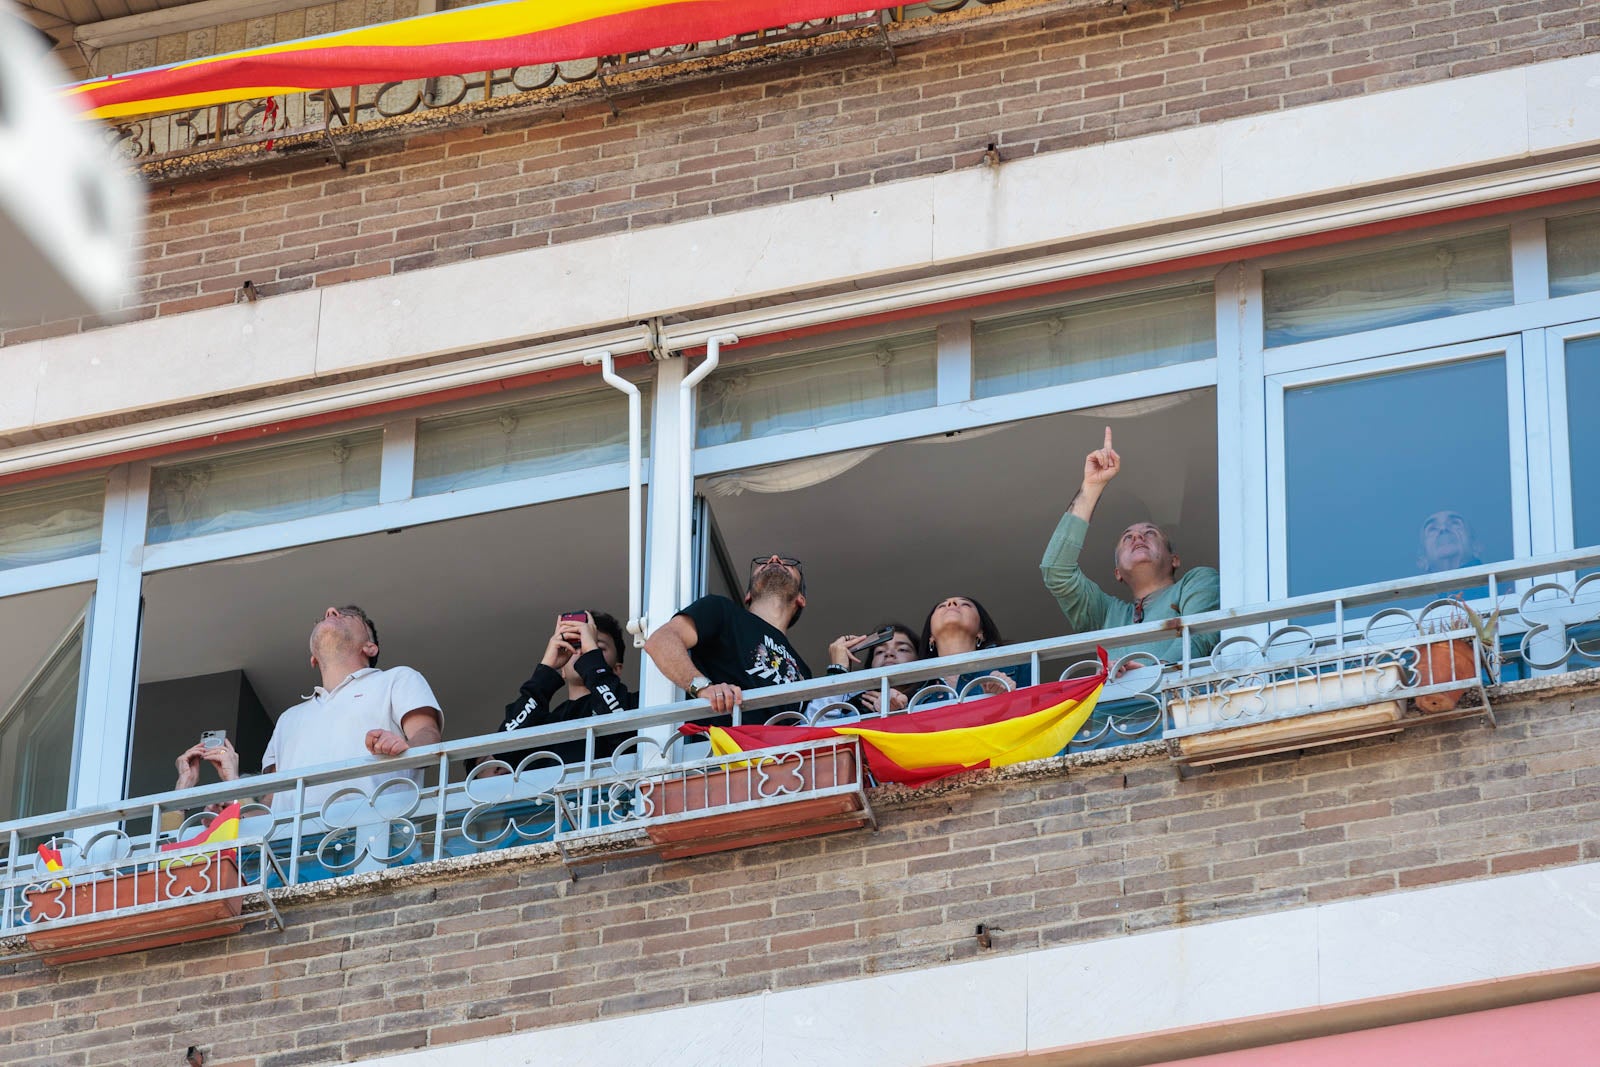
(883, 636)
(574, 616)
(213, 738)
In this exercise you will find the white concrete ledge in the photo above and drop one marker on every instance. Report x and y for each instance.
(1253, 166)
(1457, 947)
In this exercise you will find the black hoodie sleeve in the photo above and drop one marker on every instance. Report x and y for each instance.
(607, 694)
(532, 705)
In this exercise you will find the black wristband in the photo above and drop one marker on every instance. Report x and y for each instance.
(838, 668)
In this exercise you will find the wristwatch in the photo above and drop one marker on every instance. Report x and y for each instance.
(696, 685)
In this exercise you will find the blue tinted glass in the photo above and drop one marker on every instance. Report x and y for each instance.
(1583, 438)
(1397, 475)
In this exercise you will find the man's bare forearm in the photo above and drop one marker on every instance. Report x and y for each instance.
(671, 657)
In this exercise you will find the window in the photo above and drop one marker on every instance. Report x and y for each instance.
(1583, 438)
(536, 437)
(264, 486)
(1397, 474)
(1073, 344)
(1573, 245)
(55, 522)
(40, 667)
(1387, 288)
(856, 381)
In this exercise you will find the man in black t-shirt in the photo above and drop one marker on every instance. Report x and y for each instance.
(715, 649)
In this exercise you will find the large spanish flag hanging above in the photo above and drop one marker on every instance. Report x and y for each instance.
(1026, 724)
(507, 33)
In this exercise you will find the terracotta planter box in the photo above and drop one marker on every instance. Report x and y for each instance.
(781, 781)
(150, 929)
(1445, 661)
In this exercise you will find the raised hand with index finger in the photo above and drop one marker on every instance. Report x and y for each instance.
(1101, 465)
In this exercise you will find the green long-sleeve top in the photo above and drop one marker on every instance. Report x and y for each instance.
(1088, 607)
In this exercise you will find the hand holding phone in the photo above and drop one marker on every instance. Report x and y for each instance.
(872, 641)
(579, 617)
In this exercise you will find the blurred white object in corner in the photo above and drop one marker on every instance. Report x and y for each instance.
(70, 208)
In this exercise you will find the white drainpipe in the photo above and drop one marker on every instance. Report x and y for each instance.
(608, 371)
(686, 460)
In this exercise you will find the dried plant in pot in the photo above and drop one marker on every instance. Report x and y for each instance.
(1439, 662)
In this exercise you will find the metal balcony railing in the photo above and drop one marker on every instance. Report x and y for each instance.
(1393, 646)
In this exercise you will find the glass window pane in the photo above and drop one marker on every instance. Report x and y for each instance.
(56, 522)
(265, 486)
(1397, 475)
(1583, 438)
(1573, 247)
(1073, 344)
(39, 672)
(823, 388)
(536, 437)
(1387, 288)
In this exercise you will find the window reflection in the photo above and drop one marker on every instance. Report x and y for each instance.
(1397, 475)
(1583, 439)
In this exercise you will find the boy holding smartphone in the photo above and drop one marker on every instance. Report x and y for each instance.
(585, 654)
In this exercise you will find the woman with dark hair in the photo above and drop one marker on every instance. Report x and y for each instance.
(901, 647)
(960, 624)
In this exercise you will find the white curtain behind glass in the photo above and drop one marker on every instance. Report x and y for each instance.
(1074, 344)
(1573, 245)
(264, 486)
(823, 388)
(36, 732)
(58, 522)
(538, 437)
(1387, 288)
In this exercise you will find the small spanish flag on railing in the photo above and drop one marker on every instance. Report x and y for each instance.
(1028, 724)
(51, 858)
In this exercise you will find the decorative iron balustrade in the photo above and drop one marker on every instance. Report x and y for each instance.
(288, 116)
(132, 899)
(1273, 669)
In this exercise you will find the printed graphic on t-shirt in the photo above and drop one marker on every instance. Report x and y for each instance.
(774, 663)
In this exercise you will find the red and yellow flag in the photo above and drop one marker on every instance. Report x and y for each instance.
(507, 33)
(51, 858)
(224, 826)
(1026, 724)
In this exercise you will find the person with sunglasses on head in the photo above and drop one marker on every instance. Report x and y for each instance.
(715, 649)
(1146, 562)
(358, 711)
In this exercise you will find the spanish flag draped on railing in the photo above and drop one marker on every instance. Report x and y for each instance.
(1027, 724)
(508, 33)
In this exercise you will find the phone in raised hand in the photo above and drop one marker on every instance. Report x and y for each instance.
(575, 616)
(213, 738)
(883, 636)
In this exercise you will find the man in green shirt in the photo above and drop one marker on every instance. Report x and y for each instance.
(1146, 564)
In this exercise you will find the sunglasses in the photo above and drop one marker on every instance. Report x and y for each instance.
(787, 561)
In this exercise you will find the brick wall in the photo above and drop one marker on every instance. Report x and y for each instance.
(1098, 852)
(806, 129)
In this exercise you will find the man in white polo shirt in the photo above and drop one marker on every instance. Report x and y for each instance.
(358, 711)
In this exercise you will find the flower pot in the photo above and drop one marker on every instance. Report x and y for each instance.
(1445, 661)
(755, 800)
(170, 881)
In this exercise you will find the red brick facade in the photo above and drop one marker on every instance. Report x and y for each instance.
(794, 130)
(1095, 852)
